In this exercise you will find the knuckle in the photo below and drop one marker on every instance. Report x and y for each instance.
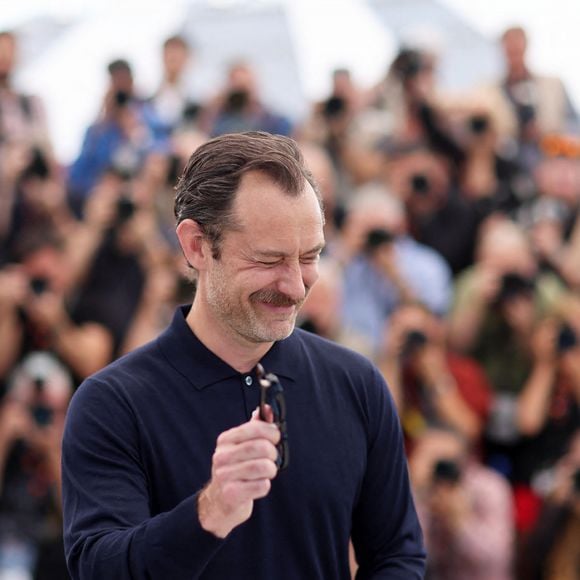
(263, 488)
(220, 457)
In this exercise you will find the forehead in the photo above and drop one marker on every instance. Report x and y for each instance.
(266, 212)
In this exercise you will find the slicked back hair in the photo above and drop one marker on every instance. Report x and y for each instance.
(207, 188)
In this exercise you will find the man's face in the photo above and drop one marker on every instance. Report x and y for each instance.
(514, 46)
(175, 57)
(267, 266)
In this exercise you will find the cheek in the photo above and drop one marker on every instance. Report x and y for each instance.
(256, 280)
(309, 274)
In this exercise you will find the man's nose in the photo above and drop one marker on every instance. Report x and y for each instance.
(291, 282)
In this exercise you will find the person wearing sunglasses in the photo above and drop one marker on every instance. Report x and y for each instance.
(235, 445)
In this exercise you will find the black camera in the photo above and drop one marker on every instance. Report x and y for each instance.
(414, 340)
(41, 414)
(122, 98)
(567, 339)
(514, 285)
(446, 471)
(38, 166)
(478, 124)
(376, 238)
(125, 209)
(420, 184)
(237, 101)
(576, 481)
(408, 64)
(334, 107)
(39, 285)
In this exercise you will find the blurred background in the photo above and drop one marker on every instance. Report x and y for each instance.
(445, 138)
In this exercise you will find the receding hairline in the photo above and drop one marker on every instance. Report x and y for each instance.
(266, 177)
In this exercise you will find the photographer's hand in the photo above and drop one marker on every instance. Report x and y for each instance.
(385, 260)
(243, 466)
(449, 502)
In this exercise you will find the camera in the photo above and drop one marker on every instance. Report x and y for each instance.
(41, 414)
(446, 471)
(39, 285)
(567, 339)
(420, 184)
(408, 64)
(414, 340)
(122, 98)
(38, 166)
(576, 481)
(478, 124)
(125, 209)
(514, 285)
(237, 101)
(334, 107)
(376, 238)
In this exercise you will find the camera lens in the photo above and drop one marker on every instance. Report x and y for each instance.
(39, 285)
(478, 124)
(420, 184)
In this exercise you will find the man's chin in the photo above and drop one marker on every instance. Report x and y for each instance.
(273, 332)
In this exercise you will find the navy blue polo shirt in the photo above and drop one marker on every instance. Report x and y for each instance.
(137, 449)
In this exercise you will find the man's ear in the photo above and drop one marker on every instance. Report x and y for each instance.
(192, 242)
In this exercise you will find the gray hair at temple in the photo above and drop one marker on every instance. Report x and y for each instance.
(206, 190)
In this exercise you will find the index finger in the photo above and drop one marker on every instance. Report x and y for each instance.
(251, 430)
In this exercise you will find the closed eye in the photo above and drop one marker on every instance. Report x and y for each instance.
(310, 259)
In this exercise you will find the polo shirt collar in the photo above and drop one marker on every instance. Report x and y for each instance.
(202, 368)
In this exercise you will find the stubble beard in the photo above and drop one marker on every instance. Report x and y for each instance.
(243, 318)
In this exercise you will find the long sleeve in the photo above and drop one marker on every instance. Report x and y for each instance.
(386, 534)
(110, 531)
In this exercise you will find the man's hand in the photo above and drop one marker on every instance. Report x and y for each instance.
(243, 465)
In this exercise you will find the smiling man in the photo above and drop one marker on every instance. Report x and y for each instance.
(168, 471)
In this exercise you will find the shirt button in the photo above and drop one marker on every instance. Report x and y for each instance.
(248, 380)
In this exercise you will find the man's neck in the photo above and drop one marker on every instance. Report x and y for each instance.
(239, 353)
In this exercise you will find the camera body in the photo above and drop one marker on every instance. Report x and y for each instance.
(376, 238)
(567, 339)
(408, 64)
(446, 471)
(125, 208)
(414, 340)
(478, 124)
(39, 285)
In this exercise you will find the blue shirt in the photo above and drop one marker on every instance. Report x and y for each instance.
(138, 444)
(369, 297)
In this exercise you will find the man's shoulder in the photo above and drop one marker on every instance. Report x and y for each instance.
(129, 371)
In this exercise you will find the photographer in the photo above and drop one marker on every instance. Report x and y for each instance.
(502, 248)
(384, 266)
(465, 510)
(239, 107)
(551, 550)
(125, 132)
(31, 426)
(38, 313)
(438, 215)
(432, 386)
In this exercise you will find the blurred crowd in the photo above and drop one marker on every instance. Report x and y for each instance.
(452, 260)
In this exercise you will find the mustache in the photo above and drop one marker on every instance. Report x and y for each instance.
(275, 298)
